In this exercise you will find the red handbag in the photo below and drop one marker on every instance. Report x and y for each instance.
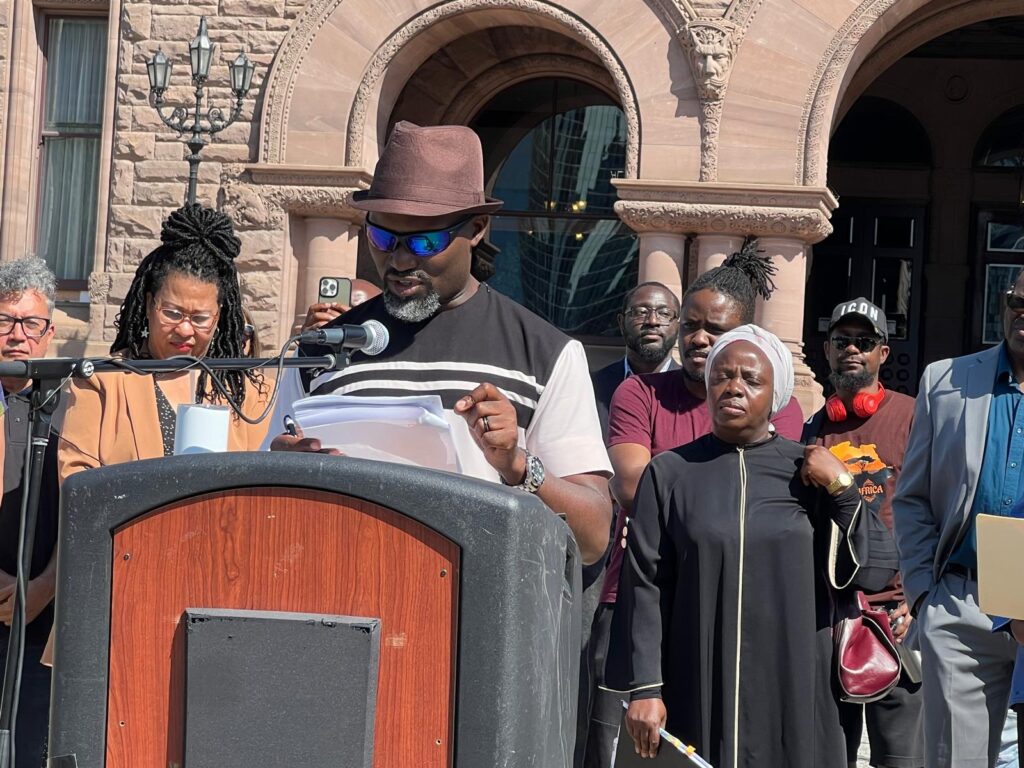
(867, 661)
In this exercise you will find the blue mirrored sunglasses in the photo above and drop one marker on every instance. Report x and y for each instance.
(420, 244)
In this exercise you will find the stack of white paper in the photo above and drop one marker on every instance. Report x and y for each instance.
(404, 430)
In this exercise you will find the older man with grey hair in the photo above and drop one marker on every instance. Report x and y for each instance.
(27, 293)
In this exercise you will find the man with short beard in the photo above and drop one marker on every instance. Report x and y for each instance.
(649, 324)
(515, 390)
(661, 411)
(866, 426)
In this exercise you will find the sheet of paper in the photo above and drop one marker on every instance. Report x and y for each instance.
(403, 430)
(1001, 565)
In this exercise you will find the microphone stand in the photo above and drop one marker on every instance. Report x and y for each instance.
(48, 377)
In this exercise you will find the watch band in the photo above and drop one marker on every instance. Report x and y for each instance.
(534, 478)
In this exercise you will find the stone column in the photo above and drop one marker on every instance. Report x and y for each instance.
(662, 255)
(713, 249)
(783, 314)
(785, 219)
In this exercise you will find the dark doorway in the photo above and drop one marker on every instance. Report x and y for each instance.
(876, 251)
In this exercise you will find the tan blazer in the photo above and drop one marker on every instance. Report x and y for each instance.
(112, 418)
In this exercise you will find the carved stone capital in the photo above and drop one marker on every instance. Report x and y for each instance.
(704, 208)
(264, 193)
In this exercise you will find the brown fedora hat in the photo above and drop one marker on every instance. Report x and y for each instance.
(428, 171)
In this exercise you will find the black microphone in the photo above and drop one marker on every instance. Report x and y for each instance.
(370, 338)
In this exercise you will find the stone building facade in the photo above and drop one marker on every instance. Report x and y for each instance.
(726, 107)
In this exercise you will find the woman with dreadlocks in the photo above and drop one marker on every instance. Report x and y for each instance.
(657, 412)
(184, 300)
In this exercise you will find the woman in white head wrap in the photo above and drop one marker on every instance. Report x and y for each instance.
(722, 629)
(778, 355)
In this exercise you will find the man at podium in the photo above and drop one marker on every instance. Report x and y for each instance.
(515, 390)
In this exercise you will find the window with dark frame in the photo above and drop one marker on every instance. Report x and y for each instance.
(71, 125)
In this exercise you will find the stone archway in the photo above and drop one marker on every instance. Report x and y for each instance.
(404, 50)
(385, 63)
(875, 35)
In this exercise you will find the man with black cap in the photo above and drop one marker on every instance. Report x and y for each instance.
(516, 390)
(866, 426)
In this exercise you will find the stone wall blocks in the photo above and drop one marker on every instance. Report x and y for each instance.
(229, 153)
(177, 27)
(195, 11)
(165, 170)
(169, 194)
(135, 250)
(134, 146)
(169, 150)
(261, 291)
(119, 287)
(136, 221)
(122, 180)
(137, 21)
(252, 7)
(261, 243)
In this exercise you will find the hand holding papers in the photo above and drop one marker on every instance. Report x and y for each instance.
(403, 430)
(671, 751)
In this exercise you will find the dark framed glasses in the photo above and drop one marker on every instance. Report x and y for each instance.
(33, 327)
(1014, 301)
(862, 343)
(664, 315)
(421, 244)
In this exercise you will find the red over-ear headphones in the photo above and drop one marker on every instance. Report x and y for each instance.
(864, 404)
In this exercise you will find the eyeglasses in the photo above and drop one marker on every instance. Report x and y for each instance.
(664, 315)
(421, 244)
(1014, 302)
(33, 327)
(201, 321)
(862, 343)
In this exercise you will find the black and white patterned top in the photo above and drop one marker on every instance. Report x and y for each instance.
(489, 338)
(168, 419)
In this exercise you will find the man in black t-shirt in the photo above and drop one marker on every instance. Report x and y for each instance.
(515, 390)
(867, 426)
(27, 290)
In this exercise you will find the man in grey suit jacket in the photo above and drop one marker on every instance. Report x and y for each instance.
(964, 457)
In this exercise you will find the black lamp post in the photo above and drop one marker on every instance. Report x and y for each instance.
(184, 120)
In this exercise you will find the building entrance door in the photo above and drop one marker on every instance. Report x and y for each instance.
(876, 251)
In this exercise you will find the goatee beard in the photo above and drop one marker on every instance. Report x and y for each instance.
(651, 353)
(414, 310)
(851, 382)
(697, 377)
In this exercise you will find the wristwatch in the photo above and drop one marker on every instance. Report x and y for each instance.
(534, 478)
(840, 484)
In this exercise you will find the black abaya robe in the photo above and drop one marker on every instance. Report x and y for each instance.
(724, 607)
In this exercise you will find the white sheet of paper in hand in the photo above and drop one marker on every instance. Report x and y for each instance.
(404, 430)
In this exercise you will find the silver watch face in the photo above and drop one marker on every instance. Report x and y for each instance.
(534, 474)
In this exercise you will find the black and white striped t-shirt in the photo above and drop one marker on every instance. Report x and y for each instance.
(492, 339)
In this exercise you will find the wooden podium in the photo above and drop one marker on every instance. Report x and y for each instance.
(304, 610)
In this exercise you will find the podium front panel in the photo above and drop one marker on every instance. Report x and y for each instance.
(281, 549)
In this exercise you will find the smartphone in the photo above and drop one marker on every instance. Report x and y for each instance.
(335, 290)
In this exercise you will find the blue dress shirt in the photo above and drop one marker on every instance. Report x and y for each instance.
(999, 482)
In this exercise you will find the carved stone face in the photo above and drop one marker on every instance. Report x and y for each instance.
(711, 55)
(713, 62)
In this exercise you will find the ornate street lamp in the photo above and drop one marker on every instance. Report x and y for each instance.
(191, 120)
